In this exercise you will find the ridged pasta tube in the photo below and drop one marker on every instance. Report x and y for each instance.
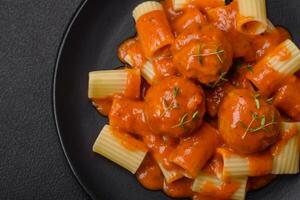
(153, 29)
(286, 156)
(120, 148)
(105, 83)
(235, 165)
(285, 58)
(170, 175)
(147, 71)
(203, 180)
(252, 17)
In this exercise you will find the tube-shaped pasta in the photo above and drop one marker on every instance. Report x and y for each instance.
(235, 165)
(212, 186)
(202, 4)
(170, 175)
(129, 116)
(285, 58)
(193, 152)
(120, 148)
(252, 18)
(105, 83)
(147, 70)
(161, 149)
(286, 151)
(275, 66)
(179, 4)
(152, 26)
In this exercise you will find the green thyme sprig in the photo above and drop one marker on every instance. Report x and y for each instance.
(221, 79)
(263, 125)
(256, 99)
(173, 104)
(184, 120)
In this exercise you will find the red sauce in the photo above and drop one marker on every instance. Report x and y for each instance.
(133, 49)
(103, 105)
(191, 17)
(154, 32)
(225, 191)
(128, 116)
(179, 189)
(194, 48)
(287, 98)
(149, 174)
(129, 141)
(285, 137)
(193, 152)
(260, 164)
(170, 107)
(133, 84)
(240, 119)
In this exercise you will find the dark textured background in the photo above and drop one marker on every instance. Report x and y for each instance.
(32, 164)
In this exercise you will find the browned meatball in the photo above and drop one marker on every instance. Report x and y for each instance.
(247, 123)
(203, 54)
(174, 107)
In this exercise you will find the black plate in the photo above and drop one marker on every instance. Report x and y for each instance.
(91, 43)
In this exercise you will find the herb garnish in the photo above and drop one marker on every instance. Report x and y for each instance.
(263, 125)
(173, 104)
(184, 119)
(219, 81)
(270, 100)
(218, 53)
(256, 99)
(175, 91)
(249, 68)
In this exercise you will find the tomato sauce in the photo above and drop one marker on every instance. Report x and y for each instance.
(211, 89)
(149, 174)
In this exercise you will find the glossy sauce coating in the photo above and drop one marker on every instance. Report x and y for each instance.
(154, 32)
(128, 115)
(239, 117)
(193, 152)
(149, 174)
(194, 48)
(202, 54)
(287, 98)
(174, 107)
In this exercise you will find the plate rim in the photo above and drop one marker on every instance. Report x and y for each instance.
(62, 43)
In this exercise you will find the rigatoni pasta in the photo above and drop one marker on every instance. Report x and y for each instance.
(252, 17)
(284, 60)
(235, 165)
(147, 70)
(195, 146)
(153, 28)
(286, 152)
(108, 82)
(206, 184)
(188, 59)
(120, 148)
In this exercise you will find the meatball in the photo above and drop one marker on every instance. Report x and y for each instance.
(203, 54)
(247, 123)
(174, 107)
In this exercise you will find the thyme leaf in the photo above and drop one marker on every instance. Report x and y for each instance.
(195, 115)
(256, 99)
(184, 120)
(270, 100)
(262, 126)
(175, 91)
(219, 81)
(218, 53)
(249, 68)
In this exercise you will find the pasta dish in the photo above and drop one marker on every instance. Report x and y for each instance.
(207, 105)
